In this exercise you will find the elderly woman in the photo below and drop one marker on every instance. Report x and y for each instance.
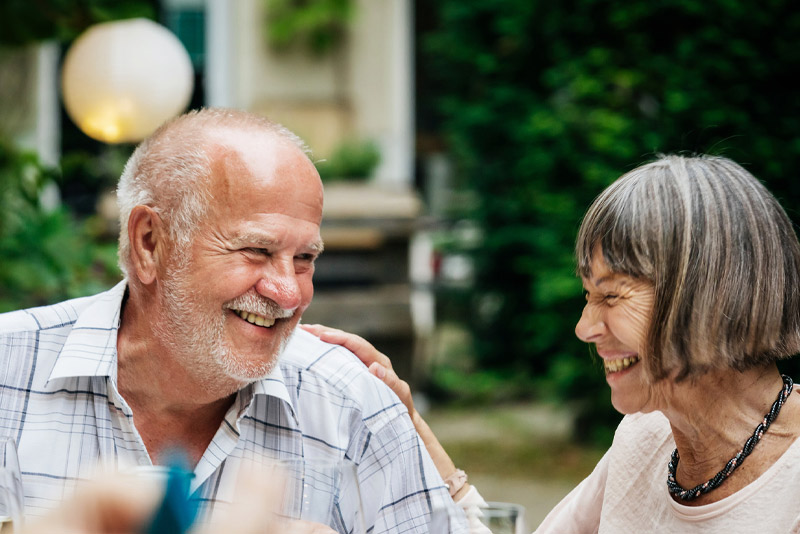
(691, 272)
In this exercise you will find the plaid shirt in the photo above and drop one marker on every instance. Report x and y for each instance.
(59, 401)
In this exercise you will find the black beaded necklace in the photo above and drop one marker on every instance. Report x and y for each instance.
(736, 461)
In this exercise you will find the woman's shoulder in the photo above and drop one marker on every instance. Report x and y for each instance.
(654, 424)
(643, 435)
(637, 465)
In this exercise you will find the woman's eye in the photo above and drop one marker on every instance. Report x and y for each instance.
(609, 298)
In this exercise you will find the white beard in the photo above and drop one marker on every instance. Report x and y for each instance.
(199, 342)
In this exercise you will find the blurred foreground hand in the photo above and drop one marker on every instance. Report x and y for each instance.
(125, 504)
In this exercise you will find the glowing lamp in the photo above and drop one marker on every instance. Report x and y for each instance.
(122, 79)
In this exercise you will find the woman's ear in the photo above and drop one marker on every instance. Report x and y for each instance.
(146, 235)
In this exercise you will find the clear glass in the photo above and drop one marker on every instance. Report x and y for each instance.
(11, 495)
(325, 492)
(504, 518)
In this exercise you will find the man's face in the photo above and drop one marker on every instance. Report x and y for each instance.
(231, 302)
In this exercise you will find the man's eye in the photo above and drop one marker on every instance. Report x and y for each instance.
(257, 251)
(610, 298)
(306, 257)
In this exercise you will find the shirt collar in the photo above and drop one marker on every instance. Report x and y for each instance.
(272, 385)
(91, 346)
(91, 349)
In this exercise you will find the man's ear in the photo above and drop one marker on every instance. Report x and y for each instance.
(146, 235)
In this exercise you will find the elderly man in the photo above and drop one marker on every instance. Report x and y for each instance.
(198, 347)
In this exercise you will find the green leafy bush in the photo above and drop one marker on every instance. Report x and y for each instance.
(317, 26)
(46, 255)
(542, 104)
(353, 160)
(25, 21)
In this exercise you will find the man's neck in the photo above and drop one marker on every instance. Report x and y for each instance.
(171, 408)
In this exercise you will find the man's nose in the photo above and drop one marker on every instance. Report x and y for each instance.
(590, 326)
(279, 283)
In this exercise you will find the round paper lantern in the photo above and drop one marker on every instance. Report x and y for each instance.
(122, 79)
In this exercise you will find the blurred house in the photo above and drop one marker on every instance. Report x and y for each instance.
(360, 90)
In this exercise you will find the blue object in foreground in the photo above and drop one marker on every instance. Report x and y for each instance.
(176, 513)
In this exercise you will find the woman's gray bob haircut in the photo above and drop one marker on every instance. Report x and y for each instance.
(721, 253)
(170, 170)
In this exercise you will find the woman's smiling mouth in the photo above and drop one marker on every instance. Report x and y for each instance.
(619, 364)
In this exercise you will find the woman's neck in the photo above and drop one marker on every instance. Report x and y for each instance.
(713, 415)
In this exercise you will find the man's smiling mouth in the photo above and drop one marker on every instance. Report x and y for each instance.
(257, 320)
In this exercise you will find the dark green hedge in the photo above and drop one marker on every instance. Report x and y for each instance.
(544, 103)
(46, 253)
(28, 21)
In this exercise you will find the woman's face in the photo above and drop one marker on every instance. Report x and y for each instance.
(615, 318)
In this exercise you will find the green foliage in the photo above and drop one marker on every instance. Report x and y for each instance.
(351, 161)
(479, 387)
(45, 254)
(318, 26)
(85, 176)
(545, 103)
(27, 21)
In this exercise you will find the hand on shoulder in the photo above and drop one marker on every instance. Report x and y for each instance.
(378, 363)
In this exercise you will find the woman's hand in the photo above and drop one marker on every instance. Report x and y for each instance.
(378, 363)
(381, 366)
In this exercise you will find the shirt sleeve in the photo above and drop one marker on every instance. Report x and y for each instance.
(579, 511)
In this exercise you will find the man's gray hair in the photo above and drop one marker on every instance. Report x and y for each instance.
(170, 171)
(721, 253)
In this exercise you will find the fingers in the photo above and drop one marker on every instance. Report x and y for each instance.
(116, 503)
(307, 527)
(400, 387)
(355, 344)
(256, 505)
(378, 363)
(315, 329)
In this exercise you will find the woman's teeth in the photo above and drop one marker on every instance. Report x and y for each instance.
(255, 319)
(614, 366)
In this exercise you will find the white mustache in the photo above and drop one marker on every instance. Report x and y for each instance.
(252, 302)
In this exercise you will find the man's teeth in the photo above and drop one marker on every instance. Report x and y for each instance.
(613, 366)
(255, 319)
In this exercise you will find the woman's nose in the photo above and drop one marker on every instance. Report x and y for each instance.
(590, 326)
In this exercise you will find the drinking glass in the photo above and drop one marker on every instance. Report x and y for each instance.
(325, 492)
(504, 518)
(11, 496)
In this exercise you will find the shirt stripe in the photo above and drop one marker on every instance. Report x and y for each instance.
(58, 399)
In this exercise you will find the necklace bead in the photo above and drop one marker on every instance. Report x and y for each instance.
(714, 482)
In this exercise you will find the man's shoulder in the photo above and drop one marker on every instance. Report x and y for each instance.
(310, 363)
(30, 341)
(307, 350)
(64, 314)
(43, 317)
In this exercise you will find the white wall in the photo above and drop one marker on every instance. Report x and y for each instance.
(362, 91)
